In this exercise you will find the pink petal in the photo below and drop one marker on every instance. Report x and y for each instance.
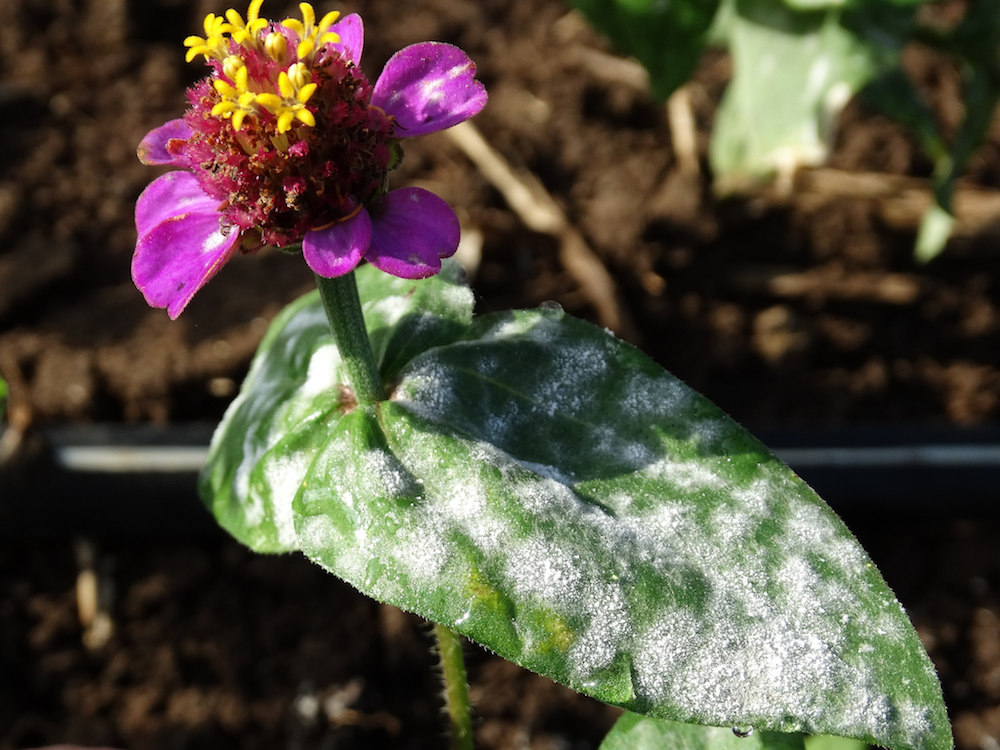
(352, 37)
(412, 231)
(338, 248)
(429, 87)
(169, 195)
(175, 258)
(155, 148)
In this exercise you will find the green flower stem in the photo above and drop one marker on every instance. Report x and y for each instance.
(456, 687)
(343, 310)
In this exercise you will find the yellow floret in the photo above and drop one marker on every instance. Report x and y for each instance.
(284, 98)
(235, 70)
(312, 35)
(295, 87)
(247, 34)
(275, 46)
(214, 44)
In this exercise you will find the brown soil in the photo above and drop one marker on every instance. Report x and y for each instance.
(214, 647)
(802, 307)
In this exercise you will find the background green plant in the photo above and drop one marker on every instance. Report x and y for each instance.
(796, 63)
(634, 732)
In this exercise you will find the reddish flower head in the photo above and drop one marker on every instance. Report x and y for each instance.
(287, 143)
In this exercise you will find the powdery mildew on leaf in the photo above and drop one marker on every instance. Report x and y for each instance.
(552, 494)
(292, 382)
(731, 630)
(271, 432)
(767, 606)
(405, 317)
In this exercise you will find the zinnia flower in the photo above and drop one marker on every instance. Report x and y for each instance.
(286, 143)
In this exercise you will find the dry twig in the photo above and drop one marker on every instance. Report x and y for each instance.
(539, 211)
(902, 200)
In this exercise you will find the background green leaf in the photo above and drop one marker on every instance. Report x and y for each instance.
(808, 5)
(793, 72)
(634, 732)
(666, 36)
(829, 742)
(796, 63)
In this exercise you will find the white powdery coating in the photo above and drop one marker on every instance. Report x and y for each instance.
(389, 309)
(427, 390)
(324, 372)
(545, 570)
(462, 503)
(771, 666)
(252, 505)
(420, 546)
(579, 368)
(915, 715)
(597, 645)
(458, 297)
(459, 503)
(806, 524)
(543, 497)
(422, 553)
(315, 533)
(381, 471)
(709, 433)
(731, 523)
(611, 445)
(766, 641)
(489, 364)
(763, 590)
(253, 405)
(497, 426)
(284, 477)
(767, 638)
(548, 472)
(688, 476)
(655, 397)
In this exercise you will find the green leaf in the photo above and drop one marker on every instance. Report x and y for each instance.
(793, 71)
(667, 37)
(3, 397)
(974, 42)
(893, 93)
(405, 318)
(551, 493)
(634, 732)
(809, 5)
(982, 92)
(829, 742)
(935, 229)
(271, 432)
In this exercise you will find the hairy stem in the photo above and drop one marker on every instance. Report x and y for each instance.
(456, 687)
(343, 310)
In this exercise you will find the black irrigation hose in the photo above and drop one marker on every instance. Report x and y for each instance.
(112, 481)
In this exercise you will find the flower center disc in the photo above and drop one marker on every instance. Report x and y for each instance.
(283, 134)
